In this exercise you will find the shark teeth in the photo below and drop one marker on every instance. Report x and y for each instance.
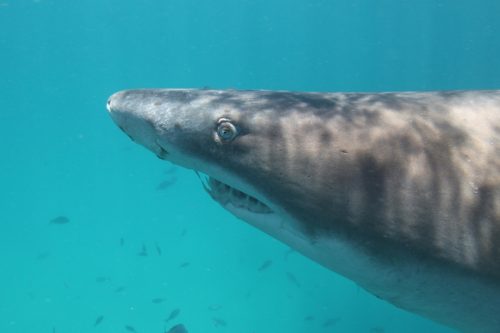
(224, 194)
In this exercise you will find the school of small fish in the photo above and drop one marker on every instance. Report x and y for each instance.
(174, 313)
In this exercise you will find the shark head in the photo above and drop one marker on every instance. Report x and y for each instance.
(281, 161)
(234, 138)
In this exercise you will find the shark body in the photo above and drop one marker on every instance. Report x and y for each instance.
(399, 192)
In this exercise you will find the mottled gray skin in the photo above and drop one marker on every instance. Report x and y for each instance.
(411, 181)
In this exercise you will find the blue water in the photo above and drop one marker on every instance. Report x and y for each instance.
(61, 155)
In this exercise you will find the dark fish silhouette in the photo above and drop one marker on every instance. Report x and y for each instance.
(119, 289)
(265, 265)
(183, 232)
(98, 320)
(43, 256)
(173, 315)
(130, 328)
(292, 279)
(158, 300)
(184, 264)
(59, 220)
(166, 184)
(102, 279)
(218, 322)
(144, 251)
(214, 307)
(309, 318)
(177, 329)
(170, 170)
(330, 322)
(158, 249)
(122, 241)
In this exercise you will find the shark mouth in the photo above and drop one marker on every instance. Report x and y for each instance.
(225, 194)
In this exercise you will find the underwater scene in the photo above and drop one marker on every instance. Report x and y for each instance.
(99, 235)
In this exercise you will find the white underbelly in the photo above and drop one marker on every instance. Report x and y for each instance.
(461, 301)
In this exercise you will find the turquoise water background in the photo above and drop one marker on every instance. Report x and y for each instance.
(61, 155)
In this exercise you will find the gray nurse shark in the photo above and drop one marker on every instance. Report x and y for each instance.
(399, 192)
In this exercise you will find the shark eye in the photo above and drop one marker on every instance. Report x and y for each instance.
(226, 130)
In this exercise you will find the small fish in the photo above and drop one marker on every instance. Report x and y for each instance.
(166, 184)
(158, 300)
(144, 251)
(122, 241)
(214, 307)
(265, 265)
(98, 320)
(183, 232)
(309, 318)
(59, 220)
(177, 329)
(292, 279)
(43, 256)
(170, 170)
(330, 322)
(130, 328)
(184, 264)
(377, 329)
(120, 289)
(102, 279)
(218, 322)
(173, 314)
(158, 249)
(53, 330)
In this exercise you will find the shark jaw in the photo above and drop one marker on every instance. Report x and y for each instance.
(229, 196)
(251, 210)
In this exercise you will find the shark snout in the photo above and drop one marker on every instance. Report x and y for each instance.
(134, 118)
(108, 105)
(114, 101)
(119, 113)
